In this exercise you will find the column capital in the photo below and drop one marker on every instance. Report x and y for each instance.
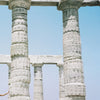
(9, 65)
(59, 64)
(64, 4)
(37, 64)
(19, 3)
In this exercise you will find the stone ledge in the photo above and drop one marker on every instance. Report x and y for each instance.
(35, 59)
(54, 2)
(91, 3)
(4, 2)
(35, 2)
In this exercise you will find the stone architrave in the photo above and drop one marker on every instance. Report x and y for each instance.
(20, 65)
(38, 82)
(73, 68)
(54, 2)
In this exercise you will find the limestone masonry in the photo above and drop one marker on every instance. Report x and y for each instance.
(71, 78)
(54, 2)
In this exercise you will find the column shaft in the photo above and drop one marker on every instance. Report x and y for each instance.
(20, 65)
(9, 72)
(61, 83)
(73, 68)
(38, 86)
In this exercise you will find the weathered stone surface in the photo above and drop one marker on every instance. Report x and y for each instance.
(75, 89)
(75, 98)
(54, 2)
(36, 59)
(71, 79)
(38, 83)
(19, 3)
(46, 59)
(91, 3)
(19, 79)
(5, 59)
(20, 98)
(73, 69)
(61, 82)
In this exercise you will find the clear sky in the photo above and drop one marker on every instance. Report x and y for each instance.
(45, 38)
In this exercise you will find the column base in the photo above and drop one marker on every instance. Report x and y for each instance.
(62, 99)
(19, 98)
(75, 98)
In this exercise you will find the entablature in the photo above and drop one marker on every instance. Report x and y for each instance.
(36, 59)
(54, 2)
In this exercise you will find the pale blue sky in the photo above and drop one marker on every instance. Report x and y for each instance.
(45, 38)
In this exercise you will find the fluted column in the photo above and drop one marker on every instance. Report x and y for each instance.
(20, 65)
(38, 85)
(61, 82)
(73, 67)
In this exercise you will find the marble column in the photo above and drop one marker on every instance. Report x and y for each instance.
(9, 69)
(20, 64)
(38, 85)
(9, 72)
(61, 82)
(73, 67)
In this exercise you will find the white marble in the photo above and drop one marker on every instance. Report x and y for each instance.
(61, 82)
(73, 67)
(19, 78)
(71, 78)
(36, 59)
(38, 82)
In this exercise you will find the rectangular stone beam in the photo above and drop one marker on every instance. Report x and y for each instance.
(91, 3)
(35, 2)
(44, 2)
(36, 59)
(5, 59)
(54, 2)
(4, 2)
(50, 59)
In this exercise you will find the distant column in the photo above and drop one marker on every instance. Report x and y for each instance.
(38, 85)
(9, 72)
(61, 82)
(73, 67)
(20, 64)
